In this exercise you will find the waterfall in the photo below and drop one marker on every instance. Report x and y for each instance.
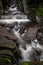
(19, 38)
(33, 50)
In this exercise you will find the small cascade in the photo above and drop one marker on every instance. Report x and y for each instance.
(32, 50)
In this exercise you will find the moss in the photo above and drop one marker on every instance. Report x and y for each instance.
(33, 63)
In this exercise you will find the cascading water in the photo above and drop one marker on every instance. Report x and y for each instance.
(32, 51)
(19, 38)
(29, 51)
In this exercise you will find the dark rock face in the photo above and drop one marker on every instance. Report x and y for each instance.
(7, 3)
(6, 42)
(39, 35)
(4, 32)
(8, 45)
(31, 33)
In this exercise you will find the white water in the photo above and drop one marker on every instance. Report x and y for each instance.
(19, 38)
(28, 54)
(10, 21)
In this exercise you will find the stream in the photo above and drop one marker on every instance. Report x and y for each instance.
(14, 15)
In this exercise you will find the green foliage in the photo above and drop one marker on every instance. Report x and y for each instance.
(33, 63)
(25, 63)
(35, 7)
(5, 60)
(40, 11)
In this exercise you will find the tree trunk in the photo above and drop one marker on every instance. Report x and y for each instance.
(1, 8)
(24, 5)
